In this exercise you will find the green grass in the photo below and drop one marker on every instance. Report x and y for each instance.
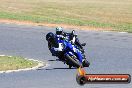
(115, 14)
(14, 63)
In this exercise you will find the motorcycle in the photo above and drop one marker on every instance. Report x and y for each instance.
(71, 54)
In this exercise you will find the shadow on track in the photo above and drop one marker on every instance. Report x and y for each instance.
(59, 68)
(54, 60)
(56, 68)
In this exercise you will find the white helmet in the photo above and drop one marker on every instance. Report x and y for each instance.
(59, 30)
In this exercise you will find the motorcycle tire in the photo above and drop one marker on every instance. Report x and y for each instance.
(75, 63)
(86, 63)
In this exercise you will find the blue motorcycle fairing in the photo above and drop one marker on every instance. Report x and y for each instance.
(70, 49)
(73, 50)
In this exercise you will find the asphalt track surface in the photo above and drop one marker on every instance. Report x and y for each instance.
(108, 52)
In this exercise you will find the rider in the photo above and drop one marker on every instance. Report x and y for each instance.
(72, 37)
(57, 48)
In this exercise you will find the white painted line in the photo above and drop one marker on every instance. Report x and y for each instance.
(106, 31)
(123, 32)
(2, 55)
(114, 32)
(40, 65)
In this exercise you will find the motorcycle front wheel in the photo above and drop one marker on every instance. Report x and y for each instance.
(73, 61)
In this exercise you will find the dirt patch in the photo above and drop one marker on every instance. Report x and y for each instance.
(53, 25)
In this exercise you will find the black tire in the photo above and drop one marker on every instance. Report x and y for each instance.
(86, 63)
(75, 63)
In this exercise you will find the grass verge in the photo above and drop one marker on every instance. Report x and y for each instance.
(14, 63)
(112, 14)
